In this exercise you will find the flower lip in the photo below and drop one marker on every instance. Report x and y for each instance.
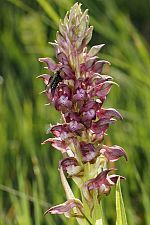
(89, 115)
(71, 166)
(81, 95)
(63, 104)
(75, 126)
(67, 162)
(88, 152)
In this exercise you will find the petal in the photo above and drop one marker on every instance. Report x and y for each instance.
(95, 49)
(90, 104)
(98, 66)
(62, 42)
(100, 183)
(99, 129)
(57, 130)
(101, 125)
(99, 180)
(87, 38)
(98, 78)
(51, 65)
(103, 89)
(62, 57)
(85, 67)
(63, 89)
(69, 74)
(66, 207)
(60, 131)
(113, 153)
(109, 113)
(69, 161)
(57, 143)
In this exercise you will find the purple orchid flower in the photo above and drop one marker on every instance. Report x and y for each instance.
(79, 96)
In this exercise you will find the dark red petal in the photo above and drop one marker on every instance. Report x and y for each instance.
(113, 153)
(96, 183)
(108, 113)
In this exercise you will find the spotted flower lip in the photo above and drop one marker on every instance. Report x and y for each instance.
(63, 104)
(80, 95)
(88, 152)
(75, 126)
(67, 208)
(70, 165)
(69, 161)
(113, 153)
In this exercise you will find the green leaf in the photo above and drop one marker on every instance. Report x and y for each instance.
(120, 210)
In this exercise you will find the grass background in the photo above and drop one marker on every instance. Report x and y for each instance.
(29, 179)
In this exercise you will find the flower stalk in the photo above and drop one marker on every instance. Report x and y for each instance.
(78, 89)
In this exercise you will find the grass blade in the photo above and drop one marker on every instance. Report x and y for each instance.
(120, 209)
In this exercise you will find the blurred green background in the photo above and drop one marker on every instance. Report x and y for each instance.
(29, 179)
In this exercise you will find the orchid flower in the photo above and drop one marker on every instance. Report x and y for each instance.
(77, 85)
